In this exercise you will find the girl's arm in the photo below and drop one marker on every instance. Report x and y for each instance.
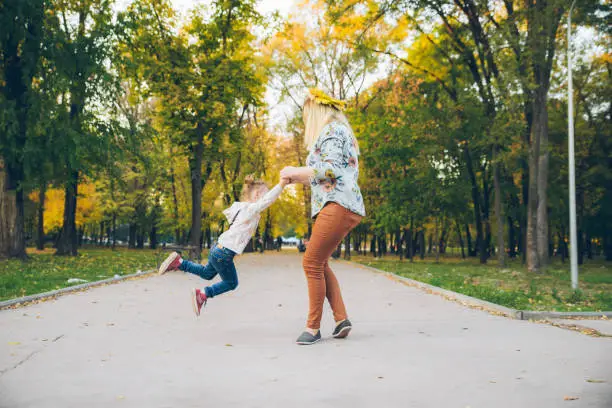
(267, 200)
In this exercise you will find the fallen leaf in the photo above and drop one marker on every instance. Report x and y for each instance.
(120, 397)
(380, 377)
(566, 398)
(110, 324)
(229, 345)
(592, 380)
(493, 382)
(14, 343)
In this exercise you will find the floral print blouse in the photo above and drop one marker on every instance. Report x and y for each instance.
(335, 162)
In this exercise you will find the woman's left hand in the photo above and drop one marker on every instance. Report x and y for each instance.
(297, 174)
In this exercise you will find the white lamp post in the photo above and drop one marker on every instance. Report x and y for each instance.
(572, 174)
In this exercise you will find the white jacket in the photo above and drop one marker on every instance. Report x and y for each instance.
(245, 223)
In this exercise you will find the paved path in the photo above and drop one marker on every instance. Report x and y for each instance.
(137, 344)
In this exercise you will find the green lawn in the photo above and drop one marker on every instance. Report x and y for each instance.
(43, 271)
(512, 286)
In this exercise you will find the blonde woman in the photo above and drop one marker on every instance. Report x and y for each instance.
(337, 205)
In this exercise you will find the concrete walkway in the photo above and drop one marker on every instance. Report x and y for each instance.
(138, 344)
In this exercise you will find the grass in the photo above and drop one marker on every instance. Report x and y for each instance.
(512, 286)
(43, 271)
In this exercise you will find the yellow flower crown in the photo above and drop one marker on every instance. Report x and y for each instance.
(322, 98)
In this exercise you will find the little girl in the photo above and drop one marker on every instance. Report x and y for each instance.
(243, 217)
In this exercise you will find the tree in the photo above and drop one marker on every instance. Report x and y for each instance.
(84, 29)
(204, 77)
(22, 36)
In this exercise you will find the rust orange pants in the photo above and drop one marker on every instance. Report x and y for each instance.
(332, 224)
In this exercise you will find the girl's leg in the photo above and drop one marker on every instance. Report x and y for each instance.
(205, 272)
(229, 277)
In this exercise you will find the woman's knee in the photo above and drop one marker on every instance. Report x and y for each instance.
(233, 284)
(312, 265)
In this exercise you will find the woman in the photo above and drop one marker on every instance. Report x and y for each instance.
(337, 205)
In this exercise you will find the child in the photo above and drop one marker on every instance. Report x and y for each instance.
(243, 217)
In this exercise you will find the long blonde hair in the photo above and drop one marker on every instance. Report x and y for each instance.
(316, 116)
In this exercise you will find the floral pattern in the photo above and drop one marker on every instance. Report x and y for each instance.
(335, 162)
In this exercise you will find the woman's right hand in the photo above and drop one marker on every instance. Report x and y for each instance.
(284, 181)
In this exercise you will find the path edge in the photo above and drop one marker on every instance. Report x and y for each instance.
(76, 288)
(485, 305)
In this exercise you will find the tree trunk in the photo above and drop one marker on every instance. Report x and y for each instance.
(468, 235)
(197, 185)
(373, 245)
(560, 244)
(511, 237)
(153, 237)
(67, 244)
(542, 209)
(175, 211)
(422, 243)
(501, 250)
(114, 230)
(589, 246)
(476, 200)
(580, 246)
(12, 220)
(533, 259)
(409, 246)
(485, 246)
(399, 240)
(132, 236)
(607, 245)
(140, 239)
(542, 23)
(347, 247)
(460, 239)
(436, 240)
(40, 230)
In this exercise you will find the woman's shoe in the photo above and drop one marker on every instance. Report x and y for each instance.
(307, 338)
(342, 329)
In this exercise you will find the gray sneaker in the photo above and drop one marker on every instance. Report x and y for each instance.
(307, 338)
(342, 330)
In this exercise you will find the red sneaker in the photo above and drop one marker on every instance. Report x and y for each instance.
(198, 300)
(172, 263)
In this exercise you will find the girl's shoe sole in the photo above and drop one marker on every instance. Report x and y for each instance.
(164, 266)
(194, 302)
(343, 333)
